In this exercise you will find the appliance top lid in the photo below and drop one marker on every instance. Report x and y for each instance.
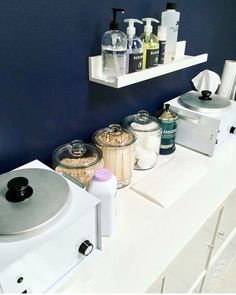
(204, 102)
(30, 198)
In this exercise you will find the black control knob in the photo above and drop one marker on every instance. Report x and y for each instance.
(19, 190)
(86, 248)
(205, 95)
(233, 130)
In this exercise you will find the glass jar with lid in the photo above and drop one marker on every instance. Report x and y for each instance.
(148, 132)
(78, 159)
(117, 145)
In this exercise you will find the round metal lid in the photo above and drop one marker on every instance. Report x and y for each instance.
(44, 200)
(204, 102)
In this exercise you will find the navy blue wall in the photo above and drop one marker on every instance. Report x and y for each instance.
(45, 97)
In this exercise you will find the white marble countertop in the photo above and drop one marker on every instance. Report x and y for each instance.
(148, 237)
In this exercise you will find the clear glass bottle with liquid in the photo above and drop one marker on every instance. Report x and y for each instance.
(114, 45)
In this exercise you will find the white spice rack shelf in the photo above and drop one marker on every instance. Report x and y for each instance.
(181, 62)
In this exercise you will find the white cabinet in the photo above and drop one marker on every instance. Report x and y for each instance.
(201, 264)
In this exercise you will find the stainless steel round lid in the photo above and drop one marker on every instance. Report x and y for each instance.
(49, 195)
(204, 102)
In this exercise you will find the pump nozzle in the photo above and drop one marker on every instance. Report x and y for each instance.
(114, 25)
(131, 28)
(148, 26)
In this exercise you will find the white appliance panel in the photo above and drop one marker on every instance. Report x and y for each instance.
(38, 262)
(43, 266)
(202, 132)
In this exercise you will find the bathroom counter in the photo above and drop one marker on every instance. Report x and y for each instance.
(149, 237)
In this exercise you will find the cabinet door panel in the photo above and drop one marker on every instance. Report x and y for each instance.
(227, 223)
(168, 283)
(216, 271)
(191, 261)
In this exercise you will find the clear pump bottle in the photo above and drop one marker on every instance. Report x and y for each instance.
(114, 45)
(150, 44)
(134, 51)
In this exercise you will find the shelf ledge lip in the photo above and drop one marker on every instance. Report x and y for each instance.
(132, 78)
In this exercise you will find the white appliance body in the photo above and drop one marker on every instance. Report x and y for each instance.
(43, 260)
(202, 132)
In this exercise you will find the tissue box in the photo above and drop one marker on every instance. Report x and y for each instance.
(203, 132)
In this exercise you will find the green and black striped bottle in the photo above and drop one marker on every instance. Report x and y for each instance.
(168, 121)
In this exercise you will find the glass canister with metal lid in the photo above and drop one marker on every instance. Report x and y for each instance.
(168, 120)
(148, 132)
(117, 145)
(78, 159)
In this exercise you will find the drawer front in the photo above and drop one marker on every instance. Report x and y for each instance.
(216, 271)
(227, 223)
(157, 286)
(191, 261)
(211, 223)
(233, 242)
(168, 283)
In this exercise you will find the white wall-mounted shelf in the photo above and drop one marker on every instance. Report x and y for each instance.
(182, 61)
(132, 78)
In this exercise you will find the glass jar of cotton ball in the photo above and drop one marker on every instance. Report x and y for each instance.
(148, 132)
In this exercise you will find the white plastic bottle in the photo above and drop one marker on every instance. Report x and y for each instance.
(170, 19)
(161, 35)
(103, 185)
(114, 45)
(134, 47)
(150, 44)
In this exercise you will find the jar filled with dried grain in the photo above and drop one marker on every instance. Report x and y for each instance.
(78, 159)
(117, 145)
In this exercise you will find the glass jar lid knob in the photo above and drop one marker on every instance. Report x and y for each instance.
(78, 148)
(143, 115)
(115, 129)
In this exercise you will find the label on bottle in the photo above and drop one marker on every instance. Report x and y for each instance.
(168, 137)
(162, 48)
(152, 58)
(135, 62)
(113, 63)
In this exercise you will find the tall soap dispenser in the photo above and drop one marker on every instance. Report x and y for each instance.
(170, 19)
(134, 51)
(150, 44)
(114, 45)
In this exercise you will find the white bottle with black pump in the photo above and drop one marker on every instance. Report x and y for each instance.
(114, 45)
(170, 19)
(134, 47)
